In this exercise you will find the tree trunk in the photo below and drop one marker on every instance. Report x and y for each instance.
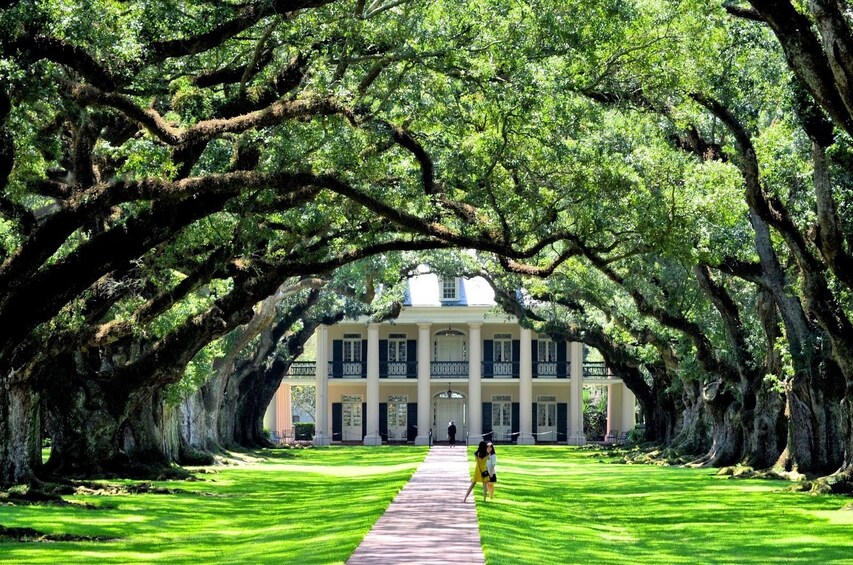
(811, 438)
(84, 432)
(92, 435)
(151, 434)
(764, 440)
(20, 433)
(255, 396)
(693, 432)
(726, 429)
(198, 419)
(846, 413)
(662, 420)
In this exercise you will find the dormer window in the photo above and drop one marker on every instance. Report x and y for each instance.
(449, 289)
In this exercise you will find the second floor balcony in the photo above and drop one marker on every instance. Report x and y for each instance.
(449, 370)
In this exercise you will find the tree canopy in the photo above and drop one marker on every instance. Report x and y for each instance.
(666, 179)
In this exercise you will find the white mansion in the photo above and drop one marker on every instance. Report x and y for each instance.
(449, 355)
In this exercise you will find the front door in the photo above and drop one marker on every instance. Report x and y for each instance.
(351, 417)
(447, 408)
(501, 418)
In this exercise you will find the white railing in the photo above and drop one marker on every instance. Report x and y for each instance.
(455, 369)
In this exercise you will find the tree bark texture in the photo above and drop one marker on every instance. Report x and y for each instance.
(82, 425)
(20, 433)
(694, 428)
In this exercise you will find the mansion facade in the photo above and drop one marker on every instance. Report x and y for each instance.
(450, 355)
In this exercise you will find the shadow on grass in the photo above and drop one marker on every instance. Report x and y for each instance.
(559, 505)
(254, 513)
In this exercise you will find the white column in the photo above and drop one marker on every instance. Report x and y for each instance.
(424, 396)
(321, 430)
(629, 409)
(372, 437)
(614, 411)
(525, 389)
(284, 408)
(475, 393)
(576, 434)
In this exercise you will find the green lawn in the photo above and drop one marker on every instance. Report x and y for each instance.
(553, 505)
(299, 506)
(565, 505)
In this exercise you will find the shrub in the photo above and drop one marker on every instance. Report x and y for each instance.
(303, 430)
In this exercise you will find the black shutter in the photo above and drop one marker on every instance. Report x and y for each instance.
(562, 366)
(487, 422)
(412, 358)
(383, 420)
(562, 421)
(488, 358)
(515, 422)
(363, 358)
(516, 357)
(337, 421)
(534, 348)
(337, 358)
(535, 423)
(363, 420)
(411, 420)
(383, 358)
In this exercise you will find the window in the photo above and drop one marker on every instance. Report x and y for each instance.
(501, 413)
(546, 413)
(503, 348)
(547, 351)
(449, 289)
(352, 348)
(397, 348)
(546, 358)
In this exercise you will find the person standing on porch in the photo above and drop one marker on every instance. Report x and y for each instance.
(481, 473)
(451, 433)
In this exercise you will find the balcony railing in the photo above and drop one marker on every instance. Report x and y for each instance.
(596, 370)
(500, 369)
(398, 370)
(551, 369)
(449, 369)
(302, 370)
(443, 369)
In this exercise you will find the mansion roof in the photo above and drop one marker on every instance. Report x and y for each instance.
(424, 290)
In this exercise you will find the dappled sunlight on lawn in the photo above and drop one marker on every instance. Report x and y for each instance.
(292, 510)
(354, 471)
(556, 505)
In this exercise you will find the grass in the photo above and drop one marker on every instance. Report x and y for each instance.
(565, 505)
(296, 506)
(553, 505)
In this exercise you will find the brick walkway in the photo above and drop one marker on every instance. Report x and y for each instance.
(428, 522)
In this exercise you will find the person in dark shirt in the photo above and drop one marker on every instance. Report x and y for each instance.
(451, 433)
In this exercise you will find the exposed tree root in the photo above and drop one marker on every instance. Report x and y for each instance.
(644, 454)
(29, 535)
(836, 483)
(52, 493)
